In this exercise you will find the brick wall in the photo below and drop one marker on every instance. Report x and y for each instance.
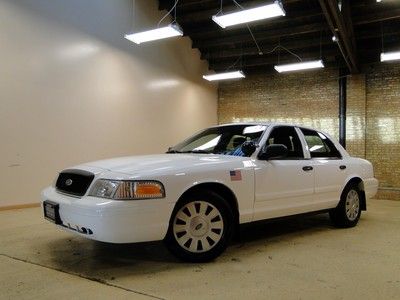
(301, 98)
(311, 99)
(383, 126)
(355, 115)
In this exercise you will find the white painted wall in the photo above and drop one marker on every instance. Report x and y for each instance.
(72, 89)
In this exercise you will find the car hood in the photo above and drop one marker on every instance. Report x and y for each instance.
(161, 163)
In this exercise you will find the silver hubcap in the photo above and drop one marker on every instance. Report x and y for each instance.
(198, 226)
(352, 205)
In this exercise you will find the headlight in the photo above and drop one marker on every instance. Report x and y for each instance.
(127, 190)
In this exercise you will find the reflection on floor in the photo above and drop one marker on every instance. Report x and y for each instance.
(302, 258)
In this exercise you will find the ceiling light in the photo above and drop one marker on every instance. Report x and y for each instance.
(300, 66)
(249, 15)
(224, 76)
(390, 56)
(378, 0)
(155, 34)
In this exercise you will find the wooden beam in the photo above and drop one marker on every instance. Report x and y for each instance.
(209, 29)
(260, 36)
(272, 59)
(337, 23)
(375, 17)
(205, 15)
(291, 44)
(196, 5)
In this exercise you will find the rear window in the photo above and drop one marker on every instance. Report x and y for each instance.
(319, 145)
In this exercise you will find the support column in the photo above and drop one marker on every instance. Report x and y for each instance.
(342, 107)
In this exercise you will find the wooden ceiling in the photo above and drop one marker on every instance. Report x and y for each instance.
(363, 29)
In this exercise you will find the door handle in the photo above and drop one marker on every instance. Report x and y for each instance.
(307, 168)
(342, 167)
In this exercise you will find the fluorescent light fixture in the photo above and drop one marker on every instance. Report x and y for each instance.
(390, 56)
(300, 66)
(155, 34)
(249, 15)
(378, 0)
(224, 76)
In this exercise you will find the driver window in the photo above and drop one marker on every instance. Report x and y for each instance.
(287, 136)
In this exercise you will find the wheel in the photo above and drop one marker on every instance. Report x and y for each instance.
(200, 228)
(348, 211)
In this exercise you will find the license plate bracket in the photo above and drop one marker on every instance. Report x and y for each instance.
(51, 211)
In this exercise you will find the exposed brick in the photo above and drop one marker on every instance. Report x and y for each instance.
(383, 126)
(300, 98)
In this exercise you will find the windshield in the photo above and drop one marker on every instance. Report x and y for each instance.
(221, 140)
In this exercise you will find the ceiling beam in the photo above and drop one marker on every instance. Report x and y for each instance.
(338, 23)
(264, 60)
(378, 16)
(260, 36)
(291, 44)
(205, 15)
(196, 5)
(210, 30)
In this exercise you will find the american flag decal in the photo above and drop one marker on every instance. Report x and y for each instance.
(235, 175)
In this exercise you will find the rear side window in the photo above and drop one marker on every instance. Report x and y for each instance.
(319, 145)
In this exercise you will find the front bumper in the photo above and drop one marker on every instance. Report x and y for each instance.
(111, 220)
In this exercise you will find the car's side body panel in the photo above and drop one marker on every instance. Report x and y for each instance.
(277, 194)
(262, 189)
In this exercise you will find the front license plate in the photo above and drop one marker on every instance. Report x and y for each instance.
(51, 212)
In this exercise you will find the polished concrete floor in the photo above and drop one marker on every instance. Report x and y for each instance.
(303, 258)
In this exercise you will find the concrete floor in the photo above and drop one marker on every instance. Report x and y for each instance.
(303, 258)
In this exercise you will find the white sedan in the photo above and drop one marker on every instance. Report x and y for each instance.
(194, 196)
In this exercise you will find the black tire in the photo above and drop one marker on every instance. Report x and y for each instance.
(199, 219)
(348, 211)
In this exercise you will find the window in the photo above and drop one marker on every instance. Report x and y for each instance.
(287, 136)
(221, 140)
(319, 145)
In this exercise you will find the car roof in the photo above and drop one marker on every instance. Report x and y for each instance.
(267, 124)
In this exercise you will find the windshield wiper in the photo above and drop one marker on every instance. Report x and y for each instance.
(197, 151)
(173, 151)
(190, 151)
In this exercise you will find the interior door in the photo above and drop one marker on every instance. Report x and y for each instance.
(284, 186)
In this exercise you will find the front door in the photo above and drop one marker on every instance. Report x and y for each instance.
(284, 186)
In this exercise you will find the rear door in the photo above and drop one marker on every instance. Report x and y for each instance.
(329, 168)
(284, 186)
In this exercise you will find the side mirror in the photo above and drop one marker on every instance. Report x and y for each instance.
(273, 151)
(248, 148)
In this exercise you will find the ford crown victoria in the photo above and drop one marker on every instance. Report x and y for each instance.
(194, 196)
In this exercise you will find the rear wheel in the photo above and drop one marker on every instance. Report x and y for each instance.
(200, 227)
(348, 211)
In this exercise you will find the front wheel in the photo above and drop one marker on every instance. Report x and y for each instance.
(200, 227)
(348, 211)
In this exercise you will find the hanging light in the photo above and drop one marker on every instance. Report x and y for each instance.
(388, 56)
(155, 34)
(250, 15)
(315, 64)
(159, 33)
(224, 76)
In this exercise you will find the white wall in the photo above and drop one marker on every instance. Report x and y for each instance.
(72, 89)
